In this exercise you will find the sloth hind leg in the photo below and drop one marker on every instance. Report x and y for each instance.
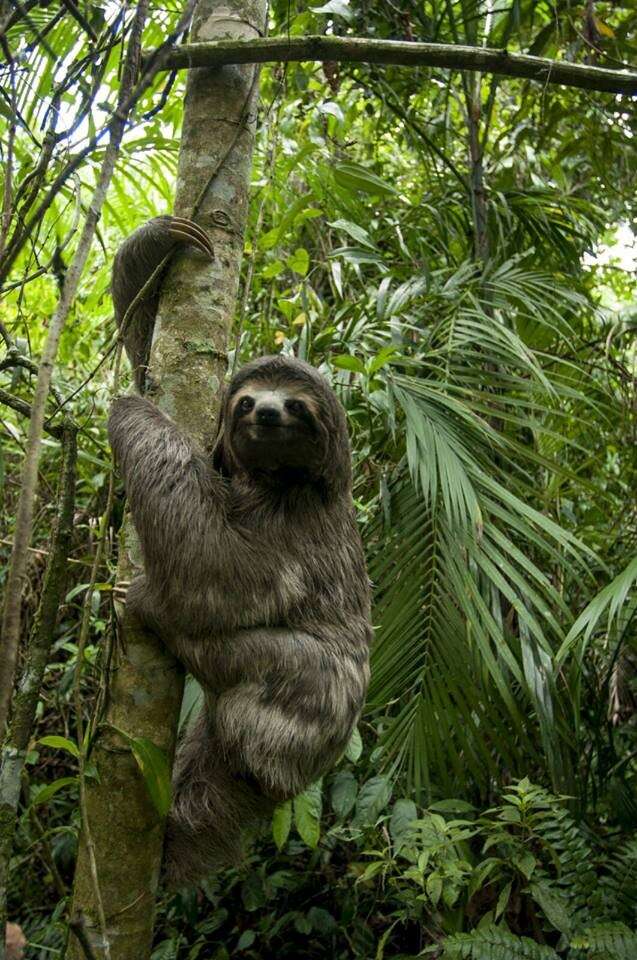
(211, 807)
(282, 749)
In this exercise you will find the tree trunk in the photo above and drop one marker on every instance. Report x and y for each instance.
(188, 364)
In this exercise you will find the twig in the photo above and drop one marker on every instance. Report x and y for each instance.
(77, 14)
(22, 407)
(78, 926)
(47, 553)
(7, 198)
(47, 854)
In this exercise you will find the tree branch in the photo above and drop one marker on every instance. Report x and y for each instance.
(21, 406)
(401, 53)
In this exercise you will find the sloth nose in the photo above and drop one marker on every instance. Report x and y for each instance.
(268, 415)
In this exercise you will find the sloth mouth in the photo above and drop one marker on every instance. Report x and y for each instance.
(266, 427)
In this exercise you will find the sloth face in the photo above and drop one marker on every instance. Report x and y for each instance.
(276, 427)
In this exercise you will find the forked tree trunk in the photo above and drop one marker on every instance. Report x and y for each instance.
(188, 365)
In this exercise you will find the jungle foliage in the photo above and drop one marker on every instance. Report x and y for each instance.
(454, 253)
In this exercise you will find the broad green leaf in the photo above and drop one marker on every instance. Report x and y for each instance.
(347, 362)
(355, 746)
(372, 799)
(307, 814)
(403, 814)
(282, 823)
(503, 900)
(553, 906)
(355, 231)
(44, 794)
(60, 743)
(343, 793)
(153, 765)
(352, 176)
(336, 8)
(299, 261)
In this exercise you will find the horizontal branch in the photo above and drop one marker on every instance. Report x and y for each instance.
(401, 53)
(20, 406)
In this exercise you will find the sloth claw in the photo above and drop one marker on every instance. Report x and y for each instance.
(187, 231)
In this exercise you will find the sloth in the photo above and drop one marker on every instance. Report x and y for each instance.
(254, 575)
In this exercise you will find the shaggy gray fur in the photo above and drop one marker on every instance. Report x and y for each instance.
(255, 578)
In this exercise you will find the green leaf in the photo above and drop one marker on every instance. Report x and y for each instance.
(381, 359)
(354, 231)
(354, 747)
(526, 864)
(553, 907)
(252, 891)
(299, 261)
(246, 939)
(372, 799)
(343, 793)
(281, 823)
(433, 886)
(77, 589)
(452, 806)
(307, 814)
(269, 239)
(354, 177)
(191, 703)
(503, 900)
(481, 873)
(153, 765)
(611, 599)
(336, 8)
(371, 870)
(331, 109)
(322, 920)
(44, 794)
(272, 269)
(403, 815)
(61, 743)
(346, 362)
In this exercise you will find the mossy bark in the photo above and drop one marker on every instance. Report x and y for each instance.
(188, 364)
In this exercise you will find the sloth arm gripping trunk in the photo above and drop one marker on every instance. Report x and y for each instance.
(171, 487)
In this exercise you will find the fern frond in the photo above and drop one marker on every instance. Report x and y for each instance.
(494, 943)
(607, 941)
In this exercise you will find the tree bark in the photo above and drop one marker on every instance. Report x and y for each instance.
(402, 53)
(188, 363)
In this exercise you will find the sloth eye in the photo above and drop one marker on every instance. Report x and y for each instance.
(246, 403)
(295, 406)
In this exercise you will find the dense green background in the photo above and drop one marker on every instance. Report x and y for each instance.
(490, 388)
